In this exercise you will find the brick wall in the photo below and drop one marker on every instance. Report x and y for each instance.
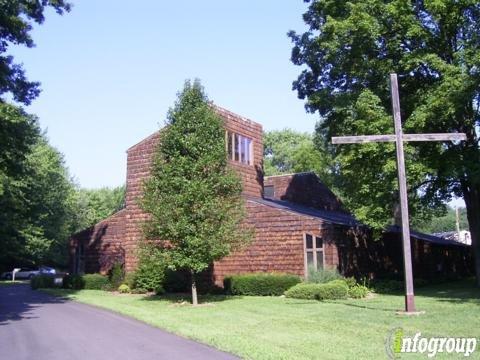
(277, 245)
(139, 158)
(252, 175)
(103, 244)
(305, 189)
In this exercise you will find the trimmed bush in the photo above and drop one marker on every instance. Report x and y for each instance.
(309, 291)
(149, 276)
(322, 276)
(260, 284)
(339, 282)
(42, 282)
(358, 291)
(73, 282)
(150, 273)
(124, 289)
(95, 281)
(178, 281)
(130, 280)
(332, 291)
(351, 282)
(138, 291)
(116, 275)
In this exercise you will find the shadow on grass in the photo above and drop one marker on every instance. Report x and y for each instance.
(17, 302)
(347, 302)
(456, 292)
(368, 307)
(463, 291)
(178, 298)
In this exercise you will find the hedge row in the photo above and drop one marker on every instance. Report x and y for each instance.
(310, 291)
(87, 281)
(42, 281)
(358, 291)
(261, 284)
(96, 282)
(73, 282)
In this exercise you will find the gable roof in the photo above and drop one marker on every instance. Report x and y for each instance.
(224, 113)
(304, 188)
(151, 137)
(431, 238)
(344, 219)
(332, 217)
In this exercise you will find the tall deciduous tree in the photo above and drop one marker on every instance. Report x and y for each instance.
(289, 151)
(445, 223)
(93, 205)
(47, 191)
(16, 17)
(193, 197)
(35, 198)
(348, 53)
(32, 202)
(19, 133)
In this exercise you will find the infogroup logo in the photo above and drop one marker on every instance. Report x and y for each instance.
(398, 343)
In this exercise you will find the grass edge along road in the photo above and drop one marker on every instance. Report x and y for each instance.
(281, 328)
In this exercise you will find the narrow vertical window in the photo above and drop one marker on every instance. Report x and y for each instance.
(239, 148)
(314, 254)
(236, 146)
(229, 144)
(243, 150)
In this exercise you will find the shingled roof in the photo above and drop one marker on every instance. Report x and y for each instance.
(344, 219)
(333, 217)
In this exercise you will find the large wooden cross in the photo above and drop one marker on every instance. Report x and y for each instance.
(399, 138)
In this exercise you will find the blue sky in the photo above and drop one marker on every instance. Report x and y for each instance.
(111, 69)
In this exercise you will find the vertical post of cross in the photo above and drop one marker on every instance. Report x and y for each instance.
(402, 185)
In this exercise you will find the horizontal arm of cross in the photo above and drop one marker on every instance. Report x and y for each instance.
(391, 138)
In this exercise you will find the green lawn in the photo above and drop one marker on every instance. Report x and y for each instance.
(280, 328)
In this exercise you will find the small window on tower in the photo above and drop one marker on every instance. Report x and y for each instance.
(239, 148)
(269, 191)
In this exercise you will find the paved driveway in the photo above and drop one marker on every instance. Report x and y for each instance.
(36, 326)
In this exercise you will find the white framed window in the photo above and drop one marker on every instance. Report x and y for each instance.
(239, 148)
(314, 252)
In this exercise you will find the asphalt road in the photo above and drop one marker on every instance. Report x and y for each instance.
(36, 326)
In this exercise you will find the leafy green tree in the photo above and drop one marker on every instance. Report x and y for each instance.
(36, 203)
(29, 213)
(193, 197)
(16, 17)
(347, 55)
(48, 192)
(19, 133)
(288, 151)
(94, 205)
(445, 223)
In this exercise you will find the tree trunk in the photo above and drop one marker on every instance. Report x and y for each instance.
(194, 290)
(471, 194)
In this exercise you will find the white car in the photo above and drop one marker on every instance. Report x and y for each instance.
(24, 273)
(46, 270)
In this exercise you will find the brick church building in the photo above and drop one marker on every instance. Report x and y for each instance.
(298, 223)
